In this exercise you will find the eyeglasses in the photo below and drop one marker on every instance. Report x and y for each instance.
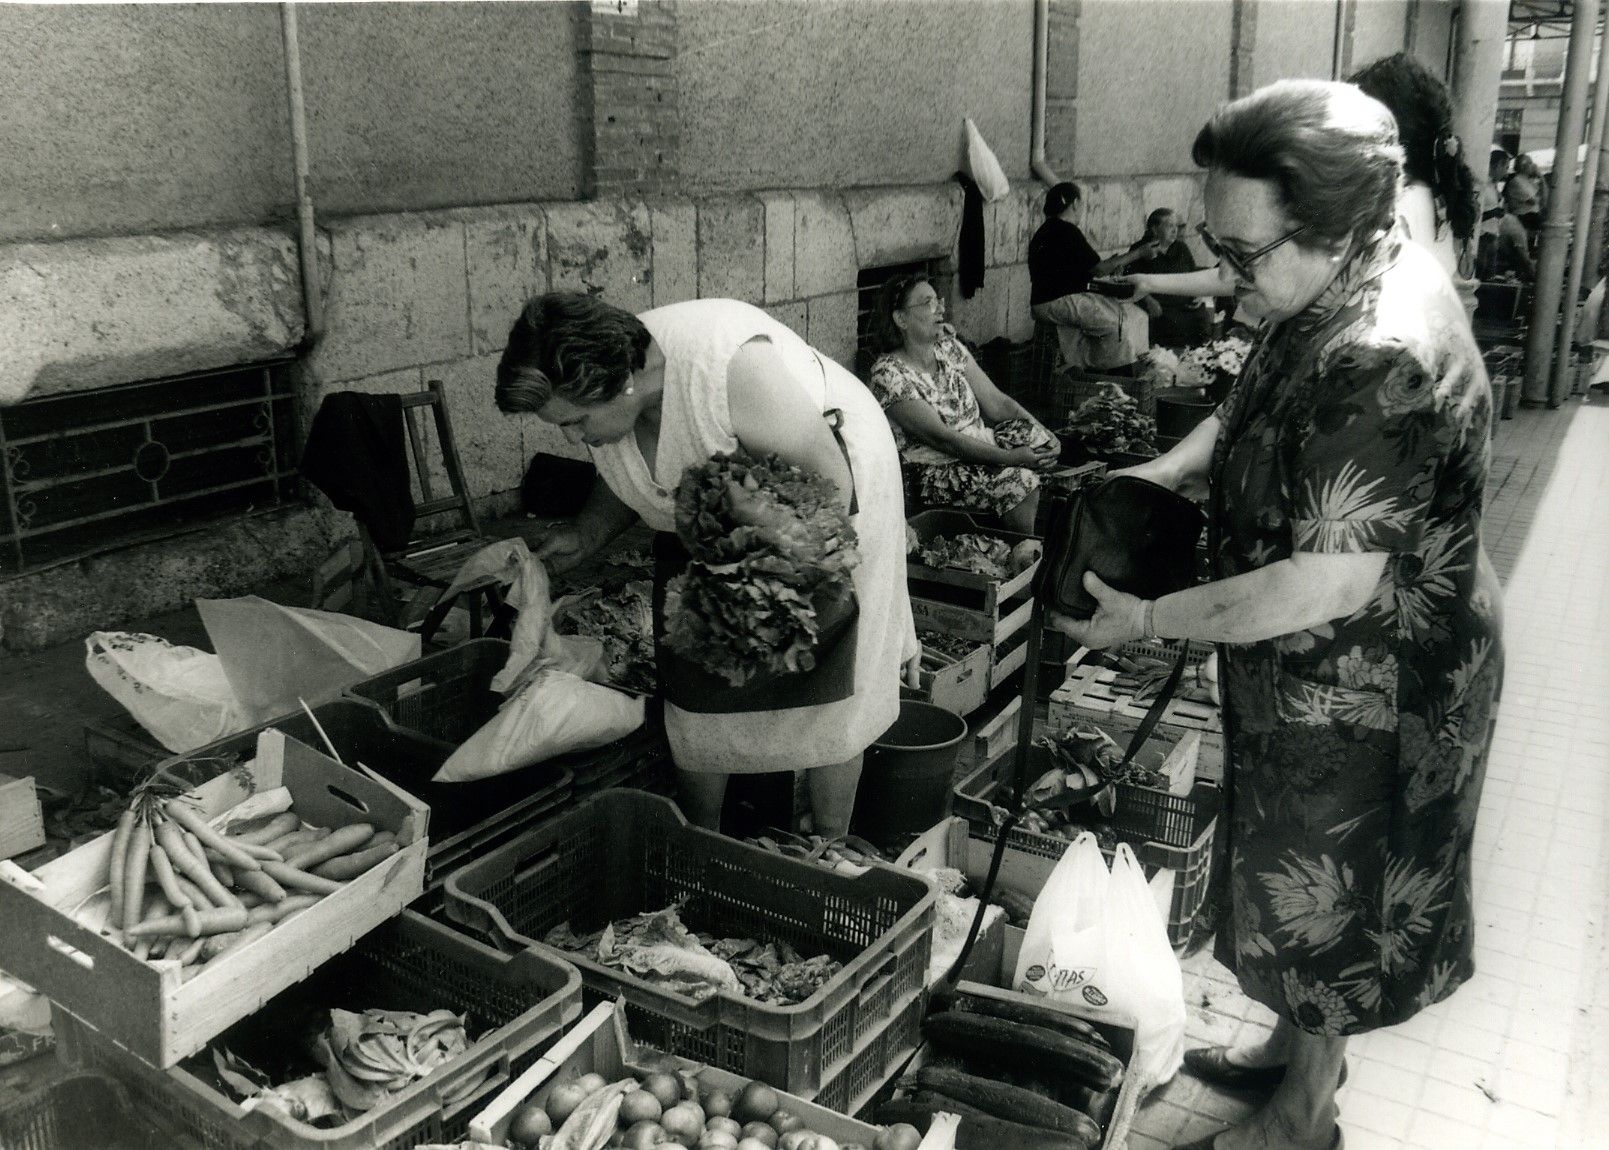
(934, 305)
(1241, 265)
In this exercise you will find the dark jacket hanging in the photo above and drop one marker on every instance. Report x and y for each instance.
(971, 246)
(355, 454)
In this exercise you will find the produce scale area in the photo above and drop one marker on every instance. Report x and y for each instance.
(525, 1045)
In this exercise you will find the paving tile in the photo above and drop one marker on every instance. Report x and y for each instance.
(1462, 1103)
(1371, 1077)
(1431, 1131)
(1518, 1126)
(1381, 1115)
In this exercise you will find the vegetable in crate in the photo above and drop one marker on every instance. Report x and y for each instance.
(1111, 422)
(623, 621)
(982, 554)
(768, 544)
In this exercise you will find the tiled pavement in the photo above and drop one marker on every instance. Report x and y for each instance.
(1518, 1057)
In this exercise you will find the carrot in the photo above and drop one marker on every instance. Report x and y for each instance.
(119, 865)
(343, 841)
(193, 821)
(215, 921)
(288, 876)
(193, 893)
(285, 843)
(351, 865)
(242, 939)
(279, 911)
(262, 854)
(381, 839)
(281, 824)
(224, 872)
(142, 949)
(192, 951)
(258, 883)
(191, 866)
(139, 846)
(162, 868)
(192, 920)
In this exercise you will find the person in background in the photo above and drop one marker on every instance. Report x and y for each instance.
(653, 395)
(1491, 208)
(1511, 258)
(1439, 203)
(1176, 321)
(966, 444)
(1358, 618)
(1094, 330)
(1524, 194)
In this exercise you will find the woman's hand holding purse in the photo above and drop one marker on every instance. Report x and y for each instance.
(1119, 617)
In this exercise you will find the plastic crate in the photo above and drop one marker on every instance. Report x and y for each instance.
(1070, 388)
(516, 1007)
(83, 1111)
(624, 852)
(466, 819)
(1192, 818)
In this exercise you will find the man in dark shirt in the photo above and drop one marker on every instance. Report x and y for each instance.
(1094, 330)
(1176, 321)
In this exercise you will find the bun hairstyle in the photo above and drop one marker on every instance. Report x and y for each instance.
(1061, 197)
(1432, 153)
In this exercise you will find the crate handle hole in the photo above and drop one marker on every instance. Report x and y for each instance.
(72, 952)
(350, 800)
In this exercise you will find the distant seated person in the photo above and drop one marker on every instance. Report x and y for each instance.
(965, 443)
(1094, 330)
(1176, 321)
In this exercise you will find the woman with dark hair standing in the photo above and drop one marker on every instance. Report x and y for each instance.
(1095, 331)
(1357, 618)
(1439, 202)
(965, 443)
(653, 395)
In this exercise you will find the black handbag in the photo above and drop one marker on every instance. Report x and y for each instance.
(1136, 535)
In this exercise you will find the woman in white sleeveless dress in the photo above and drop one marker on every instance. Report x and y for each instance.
(655, 394)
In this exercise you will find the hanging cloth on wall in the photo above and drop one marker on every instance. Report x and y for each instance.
(355, 454)
(971, 245)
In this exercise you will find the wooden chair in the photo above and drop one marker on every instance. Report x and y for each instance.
(446, 532)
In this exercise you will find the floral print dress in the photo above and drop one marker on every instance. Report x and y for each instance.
(933, 477)
(1358, 748)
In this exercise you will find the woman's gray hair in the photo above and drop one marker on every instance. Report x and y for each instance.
(1330, 150)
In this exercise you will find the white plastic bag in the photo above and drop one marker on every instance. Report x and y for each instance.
(983, 167)
(1095, 938)
(178, 694)
(274, 655)
(556, 712)
(534, 643)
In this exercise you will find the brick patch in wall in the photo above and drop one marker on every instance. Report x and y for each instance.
(629, 87)
(1242, 47)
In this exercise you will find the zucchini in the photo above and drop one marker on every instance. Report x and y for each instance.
(1017, 1044)
(1032, 1014)
(978, 1131)
(1010, 1102)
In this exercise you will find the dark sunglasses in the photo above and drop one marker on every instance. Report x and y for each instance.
(1241, 265)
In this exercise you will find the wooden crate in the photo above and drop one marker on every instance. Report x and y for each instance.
(958, 685)
(1091, 694)
(54, 917)
(964, 603)
(22, 823)
(601, 1044)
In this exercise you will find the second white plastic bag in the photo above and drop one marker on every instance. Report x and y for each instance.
(1096, 939)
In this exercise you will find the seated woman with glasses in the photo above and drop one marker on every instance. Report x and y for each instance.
(965, 443)
(1094, 329)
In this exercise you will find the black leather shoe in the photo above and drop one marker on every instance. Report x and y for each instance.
(1211, 1064)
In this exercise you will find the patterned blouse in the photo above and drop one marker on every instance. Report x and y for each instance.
(947, 392)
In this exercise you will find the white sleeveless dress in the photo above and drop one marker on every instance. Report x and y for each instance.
(699, 338)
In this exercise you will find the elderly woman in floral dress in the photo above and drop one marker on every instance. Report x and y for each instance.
(1357, 616)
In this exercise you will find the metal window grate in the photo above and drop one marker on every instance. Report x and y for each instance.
(94, 470)
(868, 284)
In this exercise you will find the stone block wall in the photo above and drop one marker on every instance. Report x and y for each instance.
(420, 296)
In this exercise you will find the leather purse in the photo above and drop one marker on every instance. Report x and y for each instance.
(1136, 535)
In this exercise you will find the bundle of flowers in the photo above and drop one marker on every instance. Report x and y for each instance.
(1220, 361)
(767, 543)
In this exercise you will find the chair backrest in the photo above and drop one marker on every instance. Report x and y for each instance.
(455, 503)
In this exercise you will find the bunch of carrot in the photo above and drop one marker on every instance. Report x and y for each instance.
(184, 890)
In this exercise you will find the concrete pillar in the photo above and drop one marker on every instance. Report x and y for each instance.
(1479, 41)
(1553, 247)
(1579, 250)
(1600, 219)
